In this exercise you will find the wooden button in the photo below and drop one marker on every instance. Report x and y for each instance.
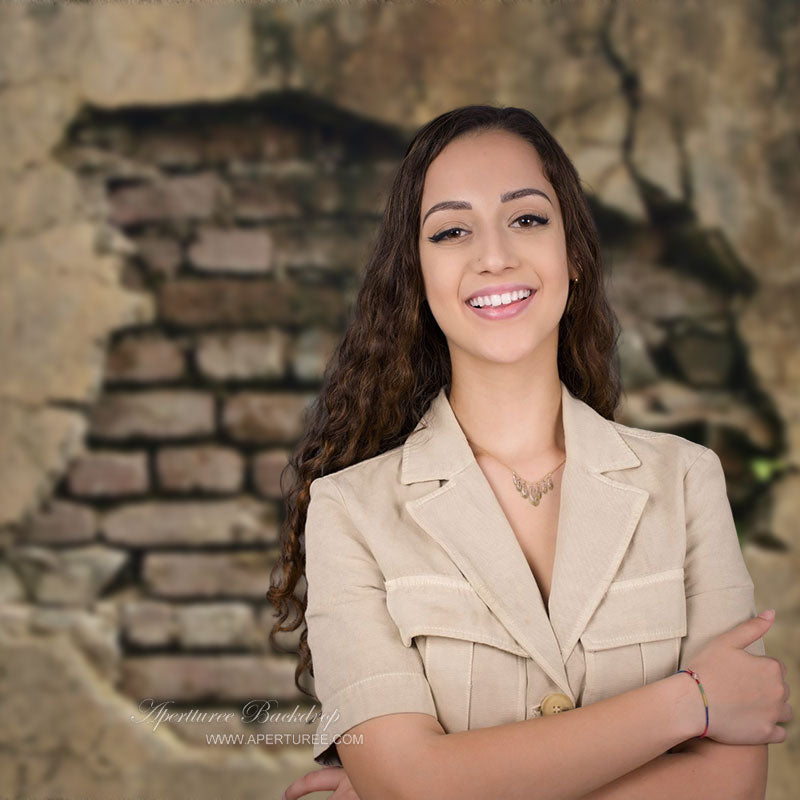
(556, 703)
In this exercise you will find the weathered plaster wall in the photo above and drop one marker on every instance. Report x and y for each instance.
(681, 118)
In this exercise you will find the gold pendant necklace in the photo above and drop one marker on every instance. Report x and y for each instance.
(530, 491)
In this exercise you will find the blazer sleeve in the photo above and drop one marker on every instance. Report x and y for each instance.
(361, 667)
(719, 589)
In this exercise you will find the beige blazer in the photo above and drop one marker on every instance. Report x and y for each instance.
(420, 597)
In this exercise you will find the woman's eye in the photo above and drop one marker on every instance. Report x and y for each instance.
(539, 219)
(444, 235)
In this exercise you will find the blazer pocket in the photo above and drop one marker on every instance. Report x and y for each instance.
(475, 668)
(634, 636)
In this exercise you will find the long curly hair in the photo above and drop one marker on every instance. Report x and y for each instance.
(393, 358)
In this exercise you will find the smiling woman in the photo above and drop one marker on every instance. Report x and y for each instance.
(493, 232)
(502, 632)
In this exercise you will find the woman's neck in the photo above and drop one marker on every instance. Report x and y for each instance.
(520, 425)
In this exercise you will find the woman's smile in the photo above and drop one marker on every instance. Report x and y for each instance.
(502, 306)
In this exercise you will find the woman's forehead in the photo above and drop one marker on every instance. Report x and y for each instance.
(488, 168)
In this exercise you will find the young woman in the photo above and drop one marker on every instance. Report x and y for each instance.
(484, 548)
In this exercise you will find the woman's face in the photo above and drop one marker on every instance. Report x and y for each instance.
(494, 242)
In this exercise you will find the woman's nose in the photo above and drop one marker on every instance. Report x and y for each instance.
(495, 251)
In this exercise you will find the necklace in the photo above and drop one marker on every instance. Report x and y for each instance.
(531, 491)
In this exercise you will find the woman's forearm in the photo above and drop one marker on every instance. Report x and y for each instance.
(566, 755)
(704, 770)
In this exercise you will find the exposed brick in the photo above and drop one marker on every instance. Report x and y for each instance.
(259, 140)
(62, 522)
(155, 623)
(159, 414)
(301, 190)
(182, 522)
(267, 467)
(269, 197)
(194, 196)
(179, 197)
(214, 301)
(218, 625)
(370, 186)
(133, 205)
(241, 574)
(144, 358)
(209, 678)
(311, 351)
(208, 469)
(259, 417)
(243, 354)
(105, 473)
(162, 256)
(150, 623)
(334, 246)
(234, 250)
(169, 147)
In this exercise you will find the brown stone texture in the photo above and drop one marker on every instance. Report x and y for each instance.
(119, 747)
(62, 522)
(311, 351)
(161, 255)
(204, 468)
(267, 468)
(243, 355)
(188, 194)
(236, 575)
(221, 301)
(67, 577)
(144, 358)
(182, 522)
(153, 623)
(208, 679)
(58, 298)
(180, 197)
(156, 414)
(107, 473)
(254, 417)
(232, 251)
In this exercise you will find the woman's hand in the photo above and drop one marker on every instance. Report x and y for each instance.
(747, 694)
(327, 779)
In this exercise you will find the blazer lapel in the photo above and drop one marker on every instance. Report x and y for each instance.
(597, 518)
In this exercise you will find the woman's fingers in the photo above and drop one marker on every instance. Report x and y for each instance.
(318, 780)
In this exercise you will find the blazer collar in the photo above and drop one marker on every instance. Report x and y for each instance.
(597, 517)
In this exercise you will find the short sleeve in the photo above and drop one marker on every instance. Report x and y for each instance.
(362, 669)
(719, 589)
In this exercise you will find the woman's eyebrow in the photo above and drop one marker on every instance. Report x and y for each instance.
(459, 205)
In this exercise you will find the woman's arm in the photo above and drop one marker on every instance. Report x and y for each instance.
(701, 769)
(567, 755)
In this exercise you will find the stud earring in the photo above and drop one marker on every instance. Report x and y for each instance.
(574, 282)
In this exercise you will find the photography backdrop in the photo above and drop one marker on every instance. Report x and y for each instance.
(188, 192)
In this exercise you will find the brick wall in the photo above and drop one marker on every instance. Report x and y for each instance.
(248, 224)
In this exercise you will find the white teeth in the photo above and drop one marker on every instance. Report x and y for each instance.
(499, 299)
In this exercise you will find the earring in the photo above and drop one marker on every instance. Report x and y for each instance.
(574, 282)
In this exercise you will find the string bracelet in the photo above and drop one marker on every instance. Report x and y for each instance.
(692, 674)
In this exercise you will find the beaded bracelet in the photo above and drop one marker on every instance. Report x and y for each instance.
(696, 677)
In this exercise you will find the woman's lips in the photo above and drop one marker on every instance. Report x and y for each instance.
(503, 312)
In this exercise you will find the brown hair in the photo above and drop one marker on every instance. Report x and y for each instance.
(393, 357)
